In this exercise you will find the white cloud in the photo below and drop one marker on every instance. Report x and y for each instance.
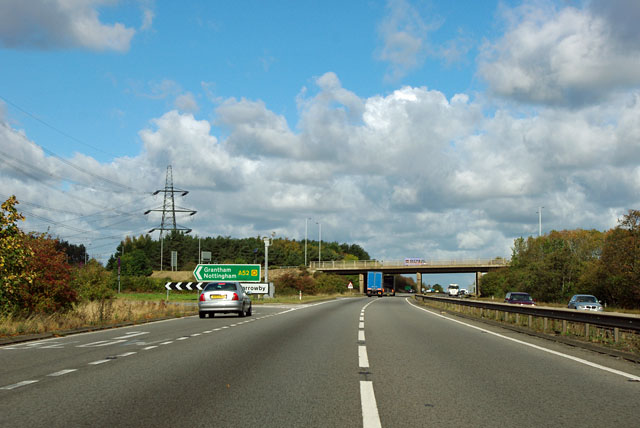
(409, 173)
(403, 33)
(53, 24)
(147, 19)
(566, 57)
(186, 102)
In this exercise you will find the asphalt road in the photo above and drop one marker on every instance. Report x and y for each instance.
(345, 363)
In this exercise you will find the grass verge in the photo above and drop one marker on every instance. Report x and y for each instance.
(92, 314)
(177, 296)
(628, 341)
(126, 307)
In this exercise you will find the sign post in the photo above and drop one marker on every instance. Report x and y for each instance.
(242, 273)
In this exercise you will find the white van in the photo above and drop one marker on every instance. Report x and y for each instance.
(453, 289)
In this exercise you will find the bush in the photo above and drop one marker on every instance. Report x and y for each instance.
(50, 290)
(329, 284)
(14, 257)
(92, 282)
(321, 283)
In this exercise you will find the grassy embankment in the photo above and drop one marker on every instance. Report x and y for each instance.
(126, 307)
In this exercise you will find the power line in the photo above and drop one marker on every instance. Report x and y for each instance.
(71, 164)
(71, 137)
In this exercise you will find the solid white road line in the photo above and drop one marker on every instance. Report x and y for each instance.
(95, 363)
(540, 348)
(370, 417)
(149, 347)
(126, 354)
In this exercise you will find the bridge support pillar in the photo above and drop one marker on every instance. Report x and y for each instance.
(361, 283)
(478, 277)
(419, 282)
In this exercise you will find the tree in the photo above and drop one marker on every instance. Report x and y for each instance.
(549, 267)
(618, 269)
(14, 257)
(135, 263)
(76, 254)
(50, 290)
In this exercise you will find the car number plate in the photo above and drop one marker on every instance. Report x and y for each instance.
(216, 296)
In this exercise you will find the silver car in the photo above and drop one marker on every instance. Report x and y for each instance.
(224, 298)
(585, 302)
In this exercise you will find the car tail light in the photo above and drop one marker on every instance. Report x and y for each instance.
(202, 297)
(235, 296)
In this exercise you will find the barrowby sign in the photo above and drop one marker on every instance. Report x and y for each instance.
(413, 261)
(255, 287)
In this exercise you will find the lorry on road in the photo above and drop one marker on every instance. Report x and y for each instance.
(453, 290)
(380, 285)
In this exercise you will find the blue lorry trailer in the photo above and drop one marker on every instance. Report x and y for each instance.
(380, 285)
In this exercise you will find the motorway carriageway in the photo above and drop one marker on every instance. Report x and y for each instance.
(372, 362)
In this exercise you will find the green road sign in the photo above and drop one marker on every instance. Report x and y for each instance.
(244, 273)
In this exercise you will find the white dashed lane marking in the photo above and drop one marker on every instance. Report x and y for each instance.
(370, 416)
(100, 343)
(62, 372)
(19, 384)
(363, 359)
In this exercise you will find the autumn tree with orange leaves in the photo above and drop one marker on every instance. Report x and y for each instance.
(34, 274)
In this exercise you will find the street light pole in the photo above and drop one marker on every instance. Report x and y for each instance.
(266, 259)
(540, 221)
(306, 227)
(319, 241)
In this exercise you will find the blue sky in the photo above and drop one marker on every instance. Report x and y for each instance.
(266, 51)
(413, 128)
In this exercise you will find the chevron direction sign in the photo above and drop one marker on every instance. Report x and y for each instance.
(243, 273)
(183, 286)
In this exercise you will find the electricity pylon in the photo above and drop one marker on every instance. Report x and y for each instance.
(169, 206)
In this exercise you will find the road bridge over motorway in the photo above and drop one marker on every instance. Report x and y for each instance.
(410, 266)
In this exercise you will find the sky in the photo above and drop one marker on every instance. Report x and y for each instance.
(422, 129)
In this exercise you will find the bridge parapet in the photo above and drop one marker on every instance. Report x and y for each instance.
(360, 265)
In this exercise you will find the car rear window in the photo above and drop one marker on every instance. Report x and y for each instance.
(220, 286)
(520, 297)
